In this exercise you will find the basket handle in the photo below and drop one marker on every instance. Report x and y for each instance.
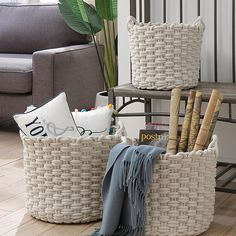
(120, 129)
(199, 23)
(131, 22)
(129, 141)
(214, 144)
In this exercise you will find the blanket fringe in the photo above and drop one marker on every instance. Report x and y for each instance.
(136, 176)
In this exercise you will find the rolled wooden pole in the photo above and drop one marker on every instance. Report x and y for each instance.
(194, 127)
(215, 116)
(174, 119)
(187, 122)
(207, 121)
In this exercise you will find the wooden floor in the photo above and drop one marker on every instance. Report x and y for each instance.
(14, 219)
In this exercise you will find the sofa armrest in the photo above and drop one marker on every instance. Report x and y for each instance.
(73, 69)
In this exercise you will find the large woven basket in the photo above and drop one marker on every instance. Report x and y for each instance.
(63, 176)
(165, 56)
(182, 195)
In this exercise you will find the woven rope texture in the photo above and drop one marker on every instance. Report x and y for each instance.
(165, 56)
(182, 195)
(64, 176)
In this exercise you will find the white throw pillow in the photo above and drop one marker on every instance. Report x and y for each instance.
(52, 119)
(95, 122)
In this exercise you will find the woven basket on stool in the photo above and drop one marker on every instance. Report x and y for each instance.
(182, 195)
(165, 56)
(63, 176)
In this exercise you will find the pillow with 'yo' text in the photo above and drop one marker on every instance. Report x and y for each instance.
(52, 119)
(95, 122)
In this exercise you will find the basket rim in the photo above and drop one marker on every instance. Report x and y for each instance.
(133, 24)
(71, 138)
(211, 150)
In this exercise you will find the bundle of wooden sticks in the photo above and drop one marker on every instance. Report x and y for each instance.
(193, 136)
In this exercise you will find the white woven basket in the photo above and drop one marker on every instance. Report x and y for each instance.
(63, 176)
(165, 56)
(182, 195)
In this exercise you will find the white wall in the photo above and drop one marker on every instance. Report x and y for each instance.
(226, 132)
(123, 46)
(132, 124)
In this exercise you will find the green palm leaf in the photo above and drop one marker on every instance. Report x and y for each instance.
(80, 16)
(107, 9)
(78, 7)
(94, 18)
(86, 19)
(72, 20)
(82, 9)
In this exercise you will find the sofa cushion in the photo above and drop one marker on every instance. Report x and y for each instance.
(34, 27)
(15, 73)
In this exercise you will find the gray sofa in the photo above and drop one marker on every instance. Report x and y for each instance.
(40, 56)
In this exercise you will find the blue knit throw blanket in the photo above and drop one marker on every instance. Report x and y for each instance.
(125, 185)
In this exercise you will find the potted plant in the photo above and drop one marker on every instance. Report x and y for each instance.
(90, 19)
